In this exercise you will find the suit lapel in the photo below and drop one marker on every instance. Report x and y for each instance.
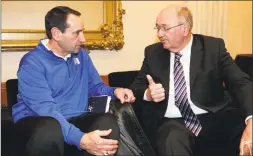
(197, 53)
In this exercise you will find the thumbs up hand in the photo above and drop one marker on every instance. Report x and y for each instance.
(155, 91)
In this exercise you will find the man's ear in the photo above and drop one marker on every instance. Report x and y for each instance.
(186, 29)
(56, 33)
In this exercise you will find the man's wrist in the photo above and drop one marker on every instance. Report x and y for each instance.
(248, 119)
(83, 141)
(114, 91)
(146, 97)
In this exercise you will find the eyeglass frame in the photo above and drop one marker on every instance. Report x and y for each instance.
(164, 29)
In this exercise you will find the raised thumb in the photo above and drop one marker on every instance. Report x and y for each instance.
(150, 80)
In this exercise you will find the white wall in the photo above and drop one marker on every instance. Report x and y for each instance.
(239, 27)
(139, 21)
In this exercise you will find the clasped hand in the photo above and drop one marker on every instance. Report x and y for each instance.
(124, 95)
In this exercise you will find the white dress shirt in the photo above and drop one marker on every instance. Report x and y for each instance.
(172, 110)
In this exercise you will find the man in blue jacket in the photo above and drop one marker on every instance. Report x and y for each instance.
(55, 80)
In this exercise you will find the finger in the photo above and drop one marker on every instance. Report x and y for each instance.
(103, 132)
(121, 99)
(158, 86)
(150, 80)
(159, 99)
(245, 148)
(157, 93)
(110, 147)
(155, 88)
(132, 99)
(244, 151)
(113, 152)
(109, 142)
(158, 96)
(128, 95)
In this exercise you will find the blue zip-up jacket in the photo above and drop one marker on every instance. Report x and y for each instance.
(50, 86)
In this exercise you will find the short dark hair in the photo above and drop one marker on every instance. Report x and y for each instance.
(57, 17)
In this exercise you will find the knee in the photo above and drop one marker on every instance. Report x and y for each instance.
(48, 131)
(177, 135)
(109, 121)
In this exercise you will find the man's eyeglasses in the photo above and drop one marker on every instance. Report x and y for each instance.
(165, 28)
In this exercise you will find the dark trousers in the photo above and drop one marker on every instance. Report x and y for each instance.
(42, 136)
(220, 136)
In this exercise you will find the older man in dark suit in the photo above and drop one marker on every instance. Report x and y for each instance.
(184, 107)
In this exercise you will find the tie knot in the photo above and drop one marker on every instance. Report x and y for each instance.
(178, 56)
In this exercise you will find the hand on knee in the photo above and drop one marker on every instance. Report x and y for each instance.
(93, 143)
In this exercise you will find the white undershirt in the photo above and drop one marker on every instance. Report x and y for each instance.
(45, 42)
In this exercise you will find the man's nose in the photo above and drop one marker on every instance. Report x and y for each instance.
(160, 33)
(82, 38)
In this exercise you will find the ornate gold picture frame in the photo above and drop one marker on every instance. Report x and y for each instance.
(109, 35)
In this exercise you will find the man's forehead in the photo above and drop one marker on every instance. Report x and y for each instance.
(74, 21)
(167, 19)
(169, 14)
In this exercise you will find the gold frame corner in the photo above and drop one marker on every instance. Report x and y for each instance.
(109, 36)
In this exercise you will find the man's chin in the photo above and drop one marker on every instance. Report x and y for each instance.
(166, 46)
(77, 49)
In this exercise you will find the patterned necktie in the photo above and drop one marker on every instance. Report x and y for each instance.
(181, 99)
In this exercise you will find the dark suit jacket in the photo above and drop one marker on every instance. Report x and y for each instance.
(210, 66)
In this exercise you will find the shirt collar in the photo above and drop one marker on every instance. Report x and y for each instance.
(45, 42)
(187, 48)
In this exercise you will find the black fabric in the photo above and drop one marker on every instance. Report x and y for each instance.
(39, 136)
(122, 79)
(173, 139)
(7, 140)
(245, 63)
(12, 91)
(215, 138)
(32, 137)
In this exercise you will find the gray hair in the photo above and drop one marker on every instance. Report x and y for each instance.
(185, 13)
